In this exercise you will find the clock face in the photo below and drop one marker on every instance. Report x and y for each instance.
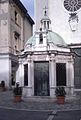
(72, 5)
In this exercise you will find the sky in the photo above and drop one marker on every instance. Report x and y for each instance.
(29, 5)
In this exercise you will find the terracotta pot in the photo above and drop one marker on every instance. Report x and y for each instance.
(2, 89)
(17, 98)
(60, 99)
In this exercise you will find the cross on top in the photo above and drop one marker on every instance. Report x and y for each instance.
(45, 10)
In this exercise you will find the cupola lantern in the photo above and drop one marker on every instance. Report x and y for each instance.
(45, 21)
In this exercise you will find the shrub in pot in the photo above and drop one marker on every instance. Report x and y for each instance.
(17, 93)
(2, 86)
(60, 94)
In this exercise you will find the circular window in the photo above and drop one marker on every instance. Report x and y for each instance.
(72, 5)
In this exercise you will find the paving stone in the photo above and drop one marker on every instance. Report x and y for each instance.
(39, 103)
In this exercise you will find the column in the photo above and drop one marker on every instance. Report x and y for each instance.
(32, 77)
(29, 91)
(52, 73)
(70, 77)
(6, 71)
(20, 74)
(9, 82)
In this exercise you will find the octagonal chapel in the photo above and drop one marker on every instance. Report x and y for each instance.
(45, 63)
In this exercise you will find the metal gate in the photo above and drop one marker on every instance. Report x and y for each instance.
(61, 74)
(41, 78)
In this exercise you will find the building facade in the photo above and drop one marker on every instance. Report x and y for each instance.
(65, 18)
(15, 27)
(45, 63)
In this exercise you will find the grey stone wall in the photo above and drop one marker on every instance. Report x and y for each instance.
(77, 68)
(4, 37)
(8, 28)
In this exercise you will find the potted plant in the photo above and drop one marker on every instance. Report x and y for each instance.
(2, 86)
(17, 93)
(60, 94)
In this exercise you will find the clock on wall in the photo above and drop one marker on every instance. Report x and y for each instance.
(72, 5)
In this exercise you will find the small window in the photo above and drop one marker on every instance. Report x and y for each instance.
(44, 24)
(26, 75)
(16, 17)
(16, 42)
(40, 38)
(48, 24)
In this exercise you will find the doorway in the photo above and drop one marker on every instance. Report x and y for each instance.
(41, 78)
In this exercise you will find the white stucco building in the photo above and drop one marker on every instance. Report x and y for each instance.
(45, 62)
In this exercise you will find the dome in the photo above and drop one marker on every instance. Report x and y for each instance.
(31, 41)
(52, 37)
(55, 38)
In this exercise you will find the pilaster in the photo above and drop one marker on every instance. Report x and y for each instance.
(29, 91)
(70, 76)
(20, 74)
(52, 73)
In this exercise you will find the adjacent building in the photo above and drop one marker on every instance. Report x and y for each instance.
(16, 26)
